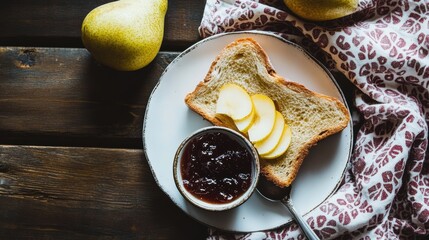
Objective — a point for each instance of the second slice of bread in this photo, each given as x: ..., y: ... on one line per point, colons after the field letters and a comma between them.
x: 311, y: 116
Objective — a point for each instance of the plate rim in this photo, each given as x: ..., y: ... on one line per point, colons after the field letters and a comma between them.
x: 249, y: 32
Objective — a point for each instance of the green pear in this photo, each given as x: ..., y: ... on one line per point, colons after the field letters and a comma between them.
x: 125, y: 35
x: 322, y: 10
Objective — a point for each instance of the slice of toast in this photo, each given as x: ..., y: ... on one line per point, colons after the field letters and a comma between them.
x: 311, y: 116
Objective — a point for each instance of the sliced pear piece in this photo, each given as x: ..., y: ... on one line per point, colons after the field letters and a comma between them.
x: 282, y: 146
x: 234, y: 102
x: 265, y: 116
x: 270, y: 143
x: 244, y: 124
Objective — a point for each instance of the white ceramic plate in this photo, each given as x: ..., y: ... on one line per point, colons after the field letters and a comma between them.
x: 168, y: 121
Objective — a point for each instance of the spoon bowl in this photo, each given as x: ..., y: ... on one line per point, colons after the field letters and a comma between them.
x: 272, y: 192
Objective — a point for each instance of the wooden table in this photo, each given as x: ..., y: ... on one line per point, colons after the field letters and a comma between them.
x: 71, y: 158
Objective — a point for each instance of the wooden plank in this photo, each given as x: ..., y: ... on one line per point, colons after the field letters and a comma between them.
x: 85, y: 193
x: 60, y: 93
x: 58, y: 23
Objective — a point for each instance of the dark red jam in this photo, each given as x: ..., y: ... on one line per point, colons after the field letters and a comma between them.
x: 215, y: 168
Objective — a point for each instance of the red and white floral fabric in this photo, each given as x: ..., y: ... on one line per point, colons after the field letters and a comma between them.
x: 383, y: 51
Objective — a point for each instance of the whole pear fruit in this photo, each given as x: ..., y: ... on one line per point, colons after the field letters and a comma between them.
x: 322, y: 10
x: 125, y: 35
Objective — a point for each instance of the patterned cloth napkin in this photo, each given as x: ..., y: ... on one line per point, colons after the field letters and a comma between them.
x: 382, y: 49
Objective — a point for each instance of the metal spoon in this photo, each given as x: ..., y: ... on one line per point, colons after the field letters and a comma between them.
x: 274, y: 193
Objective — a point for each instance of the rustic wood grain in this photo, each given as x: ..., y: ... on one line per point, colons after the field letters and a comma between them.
x: 71, y: 158
x: 57, y: 23
x: 85, y: 193
x: 58, y: 94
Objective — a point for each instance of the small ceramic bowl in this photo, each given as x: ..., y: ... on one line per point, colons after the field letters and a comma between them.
x: 216, y: 168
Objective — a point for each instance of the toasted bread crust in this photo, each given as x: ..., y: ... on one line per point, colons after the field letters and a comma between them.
x: 292, y: 159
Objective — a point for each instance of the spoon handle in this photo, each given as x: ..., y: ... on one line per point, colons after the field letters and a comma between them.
x: 308, y: 232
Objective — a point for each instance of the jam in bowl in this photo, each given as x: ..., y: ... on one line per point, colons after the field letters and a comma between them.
x: 216, y: 168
